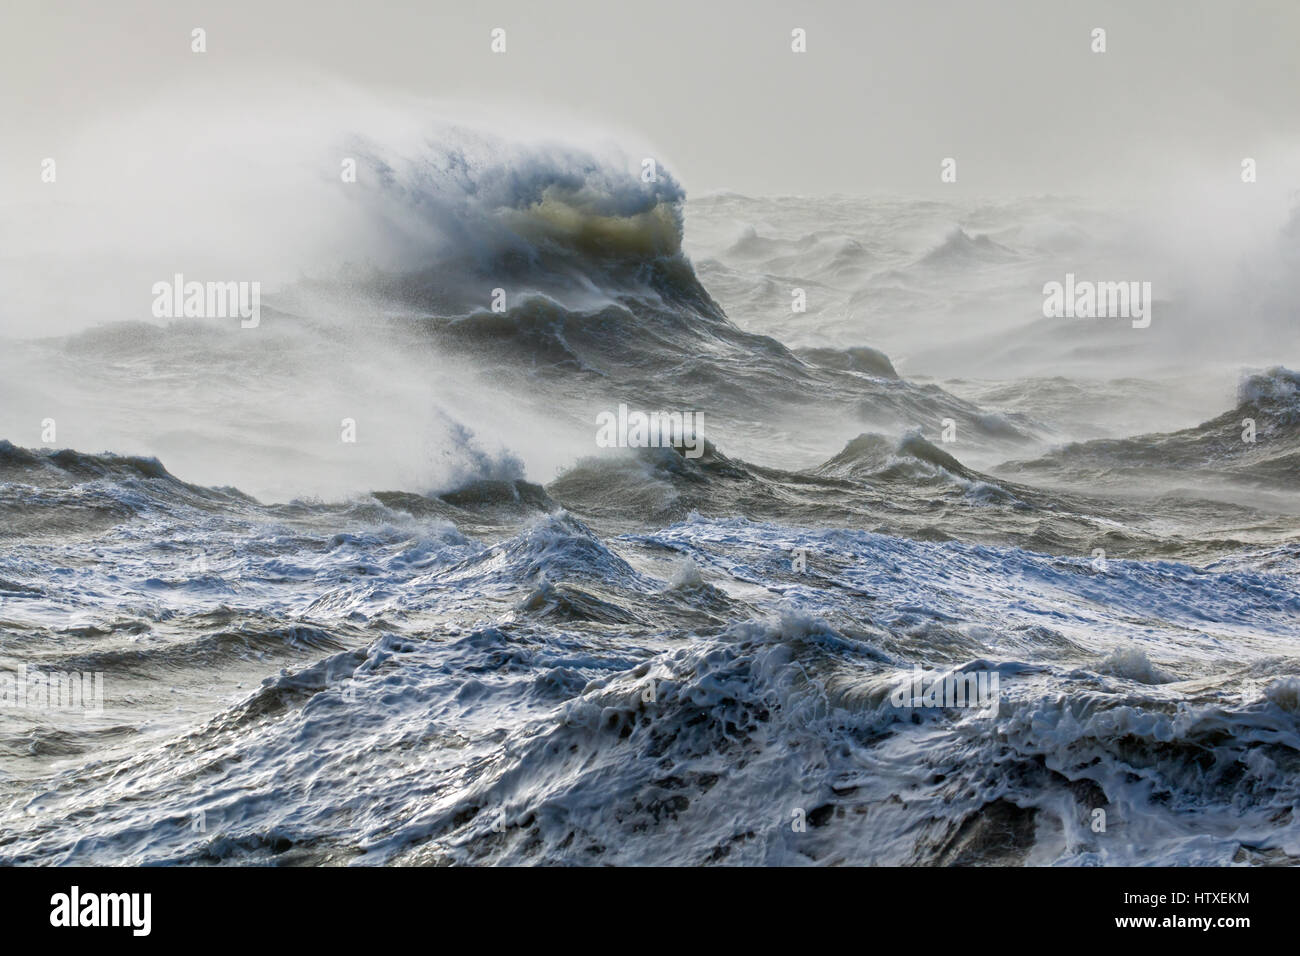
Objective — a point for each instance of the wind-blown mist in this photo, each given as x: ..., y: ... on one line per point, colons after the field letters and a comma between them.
x: 262, y: 198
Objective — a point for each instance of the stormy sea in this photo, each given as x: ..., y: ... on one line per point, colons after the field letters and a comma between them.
x: 354, y: 578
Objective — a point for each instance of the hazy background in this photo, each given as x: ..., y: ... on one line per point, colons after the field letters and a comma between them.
x: 886, y: 90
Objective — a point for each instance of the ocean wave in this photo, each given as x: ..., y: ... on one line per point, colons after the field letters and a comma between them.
x: 1255, y: 445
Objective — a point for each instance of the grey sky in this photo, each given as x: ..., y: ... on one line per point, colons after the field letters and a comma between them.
x: 885, y: 91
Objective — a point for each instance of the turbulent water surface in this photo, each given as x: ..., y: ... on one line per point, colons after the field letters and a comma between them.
x: 474, y: 636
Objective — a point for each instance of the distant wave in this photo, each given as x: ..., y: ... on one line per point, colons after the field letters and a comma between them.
x: 1269, y: 405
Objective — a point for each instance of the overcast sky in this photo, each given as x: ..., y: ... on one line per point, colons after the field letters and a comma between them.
x: 885, y: 91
